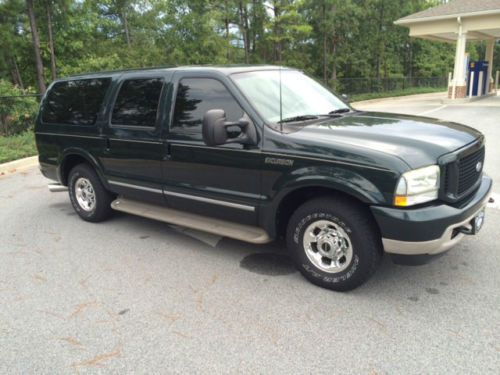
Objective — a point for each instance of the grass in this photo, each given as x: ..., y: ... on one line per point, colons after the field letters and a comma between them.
x: 17, y: 146
x: 388, y: 94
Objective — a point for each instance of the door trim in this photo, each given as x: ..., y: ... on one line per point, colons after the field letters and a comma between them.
x: 132, y: 186
x: 238, y: 206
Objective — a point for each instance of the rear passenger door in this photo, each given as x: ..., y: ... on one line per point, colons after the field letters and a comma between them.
x: 133, y: 153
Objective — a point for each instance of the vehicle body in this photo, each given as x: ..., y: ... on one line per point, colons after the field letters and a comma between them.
x: 210, y: 148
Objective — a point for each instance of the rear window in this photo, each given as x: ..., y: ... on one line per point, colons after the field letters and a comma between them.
x: 75, y: 102
x: 137, y: 102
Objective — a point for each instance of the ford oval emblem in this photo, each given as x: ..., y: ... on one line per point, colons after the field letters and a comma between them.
x: 479, y: 165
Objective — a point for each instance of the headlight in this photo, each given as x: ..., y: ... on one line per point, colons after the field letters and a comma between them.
x: 417, y: 186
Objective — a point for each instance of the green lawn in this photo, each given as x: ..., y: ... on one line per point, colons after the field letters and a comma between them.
x: 17, y: 147
x: 388, y: 94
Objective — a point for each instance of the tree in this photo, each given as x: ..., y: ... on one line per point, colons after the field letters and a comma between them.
x: 53, y: 70
x: 36, y: 47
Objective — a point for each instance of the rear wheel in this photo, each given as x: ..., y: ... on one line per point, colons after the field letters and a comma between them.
x: 334, y: 243
x: 91, y: 201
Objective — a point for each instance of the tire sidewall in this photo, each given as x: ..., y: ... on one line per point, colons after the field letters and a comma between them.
x: 74, y: 176
x: 306, y: 265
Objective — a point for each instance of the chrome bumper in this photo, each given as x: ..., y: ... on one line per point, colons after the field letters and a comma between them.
x: 433, y: 247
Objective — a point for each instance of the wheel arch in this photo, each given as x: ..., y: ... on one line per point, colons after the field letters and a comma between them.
x: 287, y: 203
x: 74, y: 156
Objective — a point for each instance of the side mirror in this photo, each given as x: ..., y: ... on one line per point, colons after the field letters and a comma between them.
x: 217, y: 131
x: 345, y: 98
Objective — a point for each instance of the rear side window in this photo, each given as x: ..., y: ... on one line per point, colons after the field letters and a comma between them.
x: 137, y: 102
x: 75, y: 102
x: 195, y: 96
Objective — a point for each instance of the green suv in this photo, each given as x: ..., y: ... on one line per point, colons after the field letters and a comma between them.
x: 258, y: 153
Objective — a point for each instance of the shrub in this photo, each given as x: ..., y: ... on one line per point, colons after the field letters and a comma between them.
x: 17, y: 111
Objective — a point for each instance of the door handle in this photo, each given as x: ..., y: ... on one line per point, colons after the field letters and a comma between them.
x: 167, y: 154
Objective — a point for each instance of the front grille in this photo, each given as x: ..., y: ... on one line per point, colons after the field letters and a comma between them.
x: 462, y: 175
x: 467, y: 170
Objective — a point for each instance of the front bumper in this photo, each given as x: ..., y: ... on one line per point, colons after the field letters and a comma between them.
x: 429, y: 230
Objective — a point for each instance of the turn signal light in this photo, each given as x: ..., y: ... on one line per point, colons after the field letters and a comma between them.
x: 400, y: 201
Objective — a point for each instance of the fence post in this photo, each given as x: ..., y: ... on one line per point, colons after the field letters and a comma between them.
x: 449, y: 79
x: 496, y: 81
x: 471, y: 83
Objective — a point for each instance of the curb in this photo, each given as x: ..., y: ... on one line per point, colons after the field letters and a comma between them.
x: 401, y: 97
x: 16, y: 165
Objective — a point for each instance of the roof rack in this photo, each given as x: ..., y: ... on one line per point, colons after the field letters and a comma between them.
x: 123, y: 70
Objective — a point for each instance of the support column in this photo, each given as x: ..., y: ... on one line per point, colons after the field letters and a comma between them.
x: 490, y: 47
x: 458, y: 87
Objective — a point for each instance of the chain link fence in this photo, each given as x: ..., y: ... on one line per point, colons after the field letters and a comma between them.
x: 352, y: 86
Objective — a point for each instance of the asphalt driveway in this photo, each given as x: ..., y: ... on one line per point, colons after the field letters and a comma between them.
x: 133, y: 295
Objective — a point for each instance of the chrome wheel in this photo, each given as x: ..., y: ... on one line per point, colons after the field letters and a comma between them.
x: 328, y: 246
x: 85, y: 194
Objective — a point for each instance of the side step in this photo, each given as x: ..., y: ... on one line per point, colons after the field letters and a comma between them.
x: 223, y: 228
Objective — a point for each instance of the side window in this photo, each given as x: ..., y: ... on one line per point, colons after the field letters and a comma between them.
x: 137, y: 102
x: 75, y: 102
x: 195, y: 96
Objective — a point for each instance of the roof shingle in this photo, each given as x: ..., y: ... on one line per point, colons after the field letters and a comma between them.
x: 455, y: 8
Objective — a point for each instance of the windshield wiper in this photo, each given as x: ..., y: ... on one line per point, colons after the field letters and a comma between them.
x: 340, y: 110
x: 299, y: 118
x: 314, y: 117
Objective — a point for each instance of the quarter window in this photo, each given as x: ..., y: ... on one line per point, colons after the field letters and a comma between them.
x: 137, y: 102
x: 195, y: 96
x: 75, y: 102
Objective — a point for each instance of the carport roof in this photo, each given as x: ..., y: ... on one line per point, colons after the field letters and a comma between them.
x: 453, y: 9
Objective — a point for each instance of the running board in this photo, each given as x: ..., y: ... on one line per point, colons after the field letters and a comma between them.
x: 223, y: 228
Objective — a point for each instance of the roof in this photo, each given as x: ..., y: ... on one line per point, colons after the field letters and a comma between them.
x: 454, y: 8
x: 224, y: 69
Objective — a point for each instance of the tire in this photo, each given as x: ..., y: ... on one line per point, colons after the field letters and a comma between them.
x: 90, y: 200
x: 342, y: 247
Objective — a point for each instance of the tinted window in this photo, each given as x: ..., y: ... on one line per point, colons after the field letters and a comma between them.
x: 75, y: 102
x: 195, y: 96
x: 137, y: 102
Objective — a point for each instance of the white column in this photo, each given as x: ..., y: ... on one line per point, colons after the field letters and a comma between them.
x: 480, y: 84
x: 459, y: 70
x: 490, y: 47
x: 470, y: 84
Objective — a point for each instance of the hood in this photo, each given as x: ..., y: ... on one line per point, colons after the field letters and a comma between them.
x: 418, y: 141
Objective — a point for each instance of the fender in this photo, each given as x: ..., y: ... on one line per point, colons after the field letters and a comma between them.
x: 333, y: 177
x: 336, y: 178
x: 71, y: 151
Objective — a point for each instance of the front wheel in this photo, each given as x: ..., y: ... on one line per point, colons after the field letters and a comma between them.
x: 334, y: 243
x: 91, y: 201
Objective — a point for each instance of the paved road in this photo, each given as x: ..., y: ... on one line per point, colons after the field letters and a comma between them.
x: 137, y: 296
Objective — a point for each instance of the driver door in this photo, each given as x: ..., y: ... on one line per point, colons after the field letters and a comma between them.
x: 220, y: 181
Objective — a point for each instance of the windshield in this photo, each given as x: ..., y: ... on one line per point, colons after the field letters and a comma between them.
x: 301, y: 95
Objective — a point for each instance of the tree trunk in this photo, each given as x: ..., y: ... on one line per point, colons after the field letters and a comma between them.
x: 325, y: 46
x: 53, y: 69
x: 126, y: 29
x: 334, y: 65
x: 247, y: 34
x: 277, y: 33
x: 226, y: 26
x: 254, y: 26
x: 244, y: 28
x: 380, y: 40
x: 36, y: 47
x: 17, y: 73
